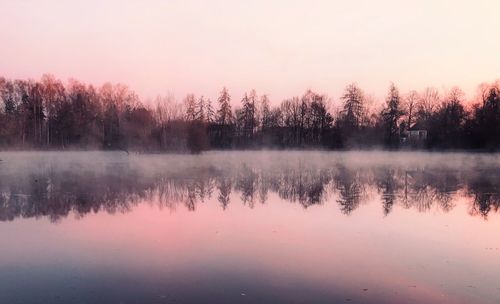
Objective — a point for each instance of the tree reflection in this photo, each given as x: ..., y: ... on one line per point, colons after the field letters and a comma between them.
x: 224, y: 187
x: 350, y: 189
x: 485, y: 191
x: 55, y: 194
x: 246, y: 184
x: 389, y: 186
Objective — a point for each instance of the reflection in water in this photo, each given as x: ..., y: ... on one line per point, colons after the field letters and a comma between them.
x: 249, y: 227
x: 55, y: 192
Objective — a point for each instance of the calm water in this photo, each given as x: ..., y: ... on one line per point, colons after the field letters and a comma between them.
x: 249, y: 227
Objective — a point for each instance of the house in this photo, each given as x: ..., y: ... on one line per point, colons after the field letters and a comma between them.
x: 417, y: 132
x: 415, y: 136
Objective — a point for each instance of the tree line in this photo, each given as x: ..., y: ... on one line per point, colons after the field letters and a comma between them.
x: 47, y: 114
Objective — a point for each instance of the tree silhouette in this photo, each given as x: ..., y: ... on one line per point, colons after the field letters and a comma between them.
x: 48, y: 114
x: 390, y: 118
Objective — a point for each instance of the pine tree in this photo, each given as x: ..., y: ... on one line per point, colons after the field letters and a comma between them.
x: 248, y: 114
x: 224, y: 114
x: 390, y: 116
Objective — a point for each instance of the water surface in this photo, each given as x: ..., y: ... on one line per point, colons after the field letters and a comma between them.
x: 249, y: 227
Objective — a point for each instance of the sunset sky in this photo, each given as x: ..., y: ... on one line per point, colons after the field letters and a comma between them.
x: 277, y: 47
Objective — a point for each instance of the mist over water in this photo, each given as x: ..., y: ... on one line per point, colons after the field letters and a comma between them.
x: 55, y: 184
x: 249, y: 227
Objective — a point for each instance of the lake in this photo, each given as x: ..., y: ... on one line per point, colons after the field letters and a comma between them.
x: 249, y: 227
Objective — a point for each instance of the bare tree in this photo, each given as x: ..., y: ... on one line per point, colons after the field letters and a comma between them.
x: 353, y: 107
x: 190, y: 106
x: 410, y: 105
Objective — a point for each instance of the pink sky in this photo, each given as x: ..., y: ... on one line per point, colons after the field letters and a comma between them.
x: 277, y: 47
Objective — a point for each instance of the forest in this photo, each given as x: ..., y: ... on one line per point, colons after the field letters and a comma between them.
x: 51, y: 115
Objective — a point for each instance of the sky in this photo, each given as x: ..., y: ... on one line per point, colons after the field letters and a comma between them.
x: 279, y: 48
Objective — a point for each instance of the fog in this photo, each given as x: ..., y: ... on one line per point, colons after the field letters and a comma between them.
x: 13, y: 163
x: 56, y: 184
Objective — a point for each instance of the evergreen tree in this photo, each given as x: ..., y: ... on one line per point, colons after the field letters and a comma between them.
x: 243, y: 115
x: 390, y: 117
x: 224, y: 114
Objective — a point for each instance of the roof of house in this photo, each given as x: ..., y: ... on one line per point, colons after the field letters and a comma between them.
x: 417, y: 126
